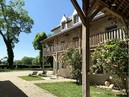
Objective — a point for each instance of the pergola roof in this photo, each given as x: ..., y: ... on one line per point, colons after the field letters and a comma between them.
x: 118, y: 8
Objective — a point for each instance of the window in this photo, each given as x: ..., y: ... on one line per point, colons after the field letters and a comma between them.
x: 75, y: 38
x: 76, y: 18
x: 62, y: 41
x: 63, y: 25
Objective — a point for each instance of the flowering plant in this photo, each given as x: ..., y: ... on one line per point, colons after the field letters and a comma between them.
x: 112, y: 57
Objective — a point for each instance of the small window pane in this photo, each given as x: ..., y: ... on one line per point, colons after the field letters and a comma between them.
x: 62, y: 41
x: 76, y: 18
x: 75, y: 38
x: 63, y: 25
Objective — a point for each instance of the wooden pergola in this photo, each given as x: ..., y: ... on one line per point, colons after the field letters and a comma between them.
x: 117, y: 9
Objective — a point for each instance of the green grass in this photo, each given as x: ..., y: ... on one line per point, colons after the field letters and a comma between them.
x: 31, y: 78
x: 69, y: 89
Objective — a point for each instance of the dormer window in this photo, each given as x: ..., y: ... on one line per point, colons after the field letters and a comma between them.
x: 76, y: 18
x: 63, y: 25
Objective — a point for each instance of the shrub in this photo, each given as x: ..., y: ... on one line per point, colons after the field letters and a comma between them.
x: 73, y: 58
x: 112, y: 57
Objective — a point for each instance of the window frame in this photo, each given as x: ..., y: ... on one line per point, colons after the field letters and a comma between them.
x: 63, y: 25
x: 76, y: 18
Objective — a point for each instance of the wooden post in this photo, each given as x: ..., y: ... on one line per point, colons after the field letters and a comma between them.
x: 56, y: 63
x: 128, y: 58
x: 86, y: 51
x: 85, y: 45
x: 80, y: 37
x: 86, y: 17
x: 128, y: 31
x: 43, y: 55
x: 85, y: 62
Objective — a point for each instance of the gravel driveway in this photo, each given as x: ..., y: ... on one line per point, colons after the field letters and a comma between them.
x: 12, y: 86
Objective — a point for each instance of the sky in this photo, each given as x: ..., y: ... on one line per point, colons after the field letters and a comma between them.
x: 46, y: 14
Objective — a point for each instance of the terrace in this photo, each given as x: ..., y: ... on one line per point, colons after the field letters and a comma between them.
x: 95, y: 40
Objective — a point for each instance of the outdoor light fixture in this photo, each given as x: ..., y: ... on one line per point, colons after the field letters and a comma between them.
x: 113, y: 5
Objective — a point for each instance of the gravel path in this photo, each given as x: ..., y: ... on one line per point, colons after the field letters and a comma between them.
x: 12, y: 86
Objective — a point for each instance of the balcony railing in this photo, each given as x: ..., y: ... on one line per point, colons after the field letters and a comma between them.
x: 106, y: 36
x: 60, y: 47
x: 95, y: 40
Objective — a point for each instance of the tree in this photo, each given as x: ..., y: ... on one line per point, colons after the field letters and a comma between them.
x: 17, y: 62
x: 73, y: 58
x: 36, y: 61
x: 27, y: 60
x: 13, y: 20
x: 38, y: 45
x: 0, y: 62
x: 113, y: 57
x: 4, y: 60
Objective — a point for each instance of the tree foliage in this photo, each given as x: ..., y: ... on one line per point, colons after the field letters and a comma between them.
x: 27, y: 60
x: 38, y: 45
x: 113, y: 57
x: 36, y: 61
x: 17, y: 62
x: 13, y: 20
x: 73, y: 58
x: 37, y: 41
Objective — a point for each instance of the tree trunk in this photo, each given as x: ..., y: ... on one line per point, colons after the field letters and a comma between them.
x: 10, y: 55
x: 9, y: 50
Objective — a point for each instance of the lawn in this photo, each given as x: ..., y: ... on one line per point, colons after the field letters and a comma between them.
x: 31, y: 78
x: 69, y: 89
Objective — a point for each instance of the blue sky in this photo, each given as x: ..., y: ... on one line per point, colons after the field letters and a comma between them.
x: 46, y: 14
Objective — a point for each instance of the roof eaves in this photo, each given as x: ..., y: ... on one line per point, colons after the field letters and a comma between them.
x: 63, y: 31
x: 98, y: 16
x: 55, y: 28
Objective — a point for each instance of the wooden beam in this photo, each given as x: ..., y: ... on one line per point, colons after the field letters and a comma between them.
x: 45, y: 59
x: 85, y: 7
x: 79, y: 11
x: 85, y: 60
x: 43, y: 56
x: 96, y: 12
x: 120, y: 4
x: 128, y: 15
x: 126, y: 26
x: 85, y: 51
x: 92, y: 7
x: 55, y: 57
x: 106, y: 0
x: 114, y: 10
x: 125, y: 7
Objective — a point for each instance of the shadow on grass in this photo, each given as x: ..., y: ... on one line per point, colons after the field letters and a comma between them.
x: 8, y: 89
x: 77, y: 83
